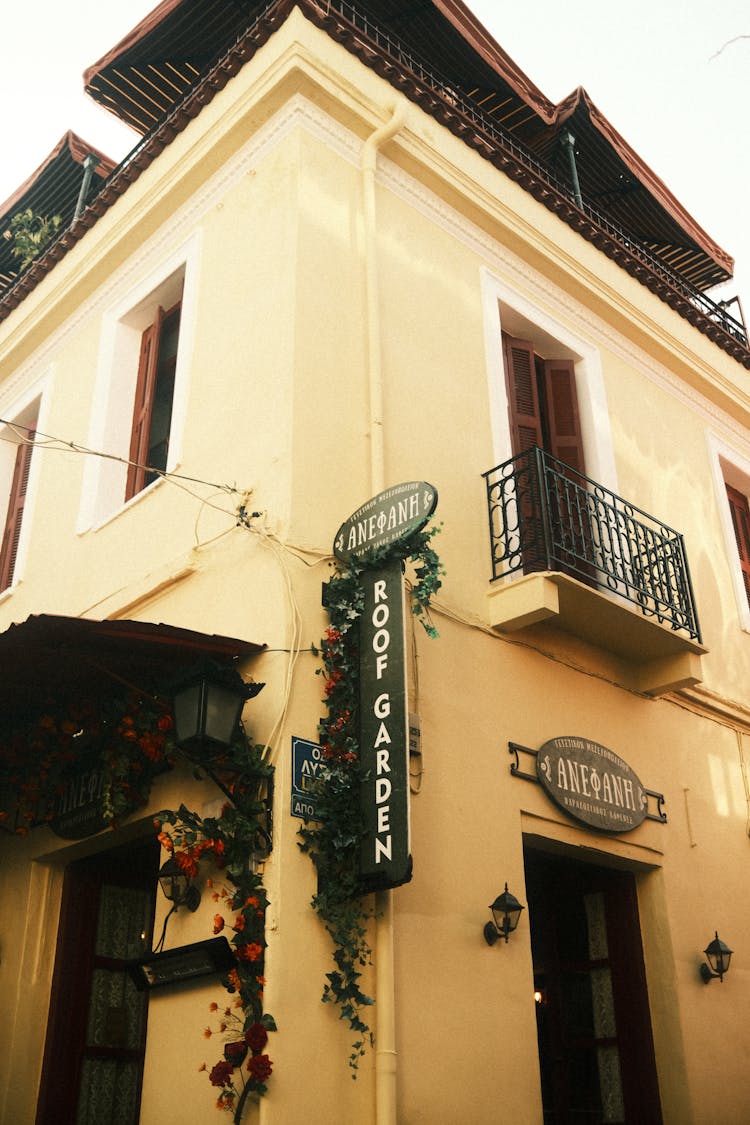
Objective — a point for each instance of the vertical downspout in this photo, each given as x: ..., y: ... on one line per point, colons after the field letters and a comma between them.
x: 89, y: 164
x: 368, y: 164
x: 385, y: 1008
x: 568, y: 142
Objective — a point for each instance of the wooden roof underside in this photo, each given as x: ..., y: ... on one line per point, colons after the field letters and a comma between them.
x: 53, y: 189
x: 470, y: 86
x: 167, y: 53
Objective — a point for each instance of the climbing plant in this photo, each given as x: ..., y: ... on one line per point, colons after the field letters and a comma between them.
x: 334, y: 838
x: 228, y: 843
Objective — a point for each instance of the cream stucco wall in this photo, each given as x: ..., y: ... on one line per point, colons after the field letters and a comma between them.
x: 260, y: 203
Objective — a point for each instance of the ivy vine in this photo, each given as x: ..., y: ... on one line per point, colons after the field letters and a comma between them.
x: 333, y: 840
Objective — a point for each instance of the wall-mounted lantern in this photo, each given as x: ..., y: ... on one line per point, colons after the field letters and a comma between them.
x: 718, y: 956
x: 506, y: 910
x: 207, y: 705
x: 177, y: 886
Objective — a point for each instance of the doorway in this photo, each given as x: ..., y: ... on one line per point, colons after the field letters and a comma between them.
x: 596, y: 1052
x: 96, y: 1030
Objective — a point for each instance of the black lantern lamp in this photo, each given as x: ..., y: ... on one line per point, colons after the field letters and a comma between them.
x: 179, y: 890
x: 718, y: 956
x: 207, y: 706
x: 506, y: 910
x: 177, y: 886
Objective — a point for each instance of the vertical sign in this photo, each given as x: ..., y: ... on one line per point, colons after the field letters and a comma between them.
x: 306, y: 761
x: 385, y: 859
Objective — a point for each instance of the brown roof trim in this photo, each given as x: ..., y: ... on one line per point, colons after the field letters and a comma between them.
x: 140, y: 31
x: 580, y: 101
x: 505, y: 158
x: 477, y: 36
x: 466, y: 24
x: 79, y: 150
x: 490, y: 51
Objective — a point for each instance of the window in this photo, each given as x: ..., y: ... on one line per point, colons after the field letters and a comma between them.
x: 15, y: 467
x: 154, y: 395
x: 140, y: 399
x: 543, y: 412
x: 740, y: 513
x: 542, y: 403
x: 730, y: 470
x: 510, y: 314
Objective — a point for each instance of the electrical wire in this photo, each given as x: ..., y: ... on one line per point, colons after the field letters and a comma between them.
x: 32, y: 436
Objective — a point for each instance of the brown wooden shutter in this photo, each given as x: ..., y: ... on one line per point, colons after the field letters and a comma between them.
x: 740, y: 510
x: 565, y: 440
x: 523, y: 396
x: 16, y: 503
x: 143, y: 405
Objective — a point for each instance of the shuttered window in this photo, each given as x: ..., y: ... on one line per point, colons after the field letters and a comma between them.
x: 542, y: 403
x: 740, y: 510
x: 543, y: 412
x: 14, y: 517
x: 562, y: 423
x: 154, y: 394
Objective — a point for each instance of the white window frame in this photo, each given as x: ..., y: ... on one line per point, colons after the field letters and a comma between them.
x: 123, y: 324
x: 728, y: 466
x: 505, y: 310
x: 28, y: 408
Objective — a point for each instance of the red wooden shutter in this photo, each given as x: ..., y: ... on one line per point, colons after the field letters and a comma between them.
x: 740, y: 510
x: 143, y: 405
x: 13, y: 520
x: 565, y: 441
x: 523, y: 396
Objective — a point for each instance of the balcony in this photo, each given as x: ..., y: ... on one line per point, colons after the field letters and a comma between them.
x: 570, y: 554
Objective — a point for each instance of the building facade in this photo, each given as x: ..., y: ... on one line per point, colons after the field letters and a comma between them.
x: 355, y: 248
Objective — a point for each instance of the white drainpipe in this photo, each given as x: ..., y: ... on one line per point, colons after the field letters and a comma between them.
x: 385, y: 1008
x: 368, y: 164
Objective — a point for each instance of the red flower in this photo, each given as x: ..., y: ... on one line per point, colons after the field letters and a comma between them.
x: 164, y: 722
x: 256, y: 1037
x: 221, y: 1074
x: 250, y: 952
x: 186, y: 863
x: 259, y: 1067
x: 235, y: 1053
x: 218, y: 923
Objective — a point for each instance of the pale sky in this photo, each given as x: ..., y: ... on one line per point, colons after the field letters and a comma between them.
x: 664, y: 72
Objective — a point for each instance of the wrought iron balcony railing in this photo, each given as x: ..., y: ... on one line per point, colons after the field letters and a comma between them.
x: 545, y: 516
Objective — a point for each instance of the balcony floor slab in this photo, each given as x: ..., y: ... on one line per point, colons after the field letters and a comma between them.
x: 657, y: 659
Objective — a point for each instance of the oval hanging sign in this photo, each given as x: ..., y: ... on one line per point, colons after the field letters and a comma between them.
x: 591, y: 784
x: 393, y: 514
